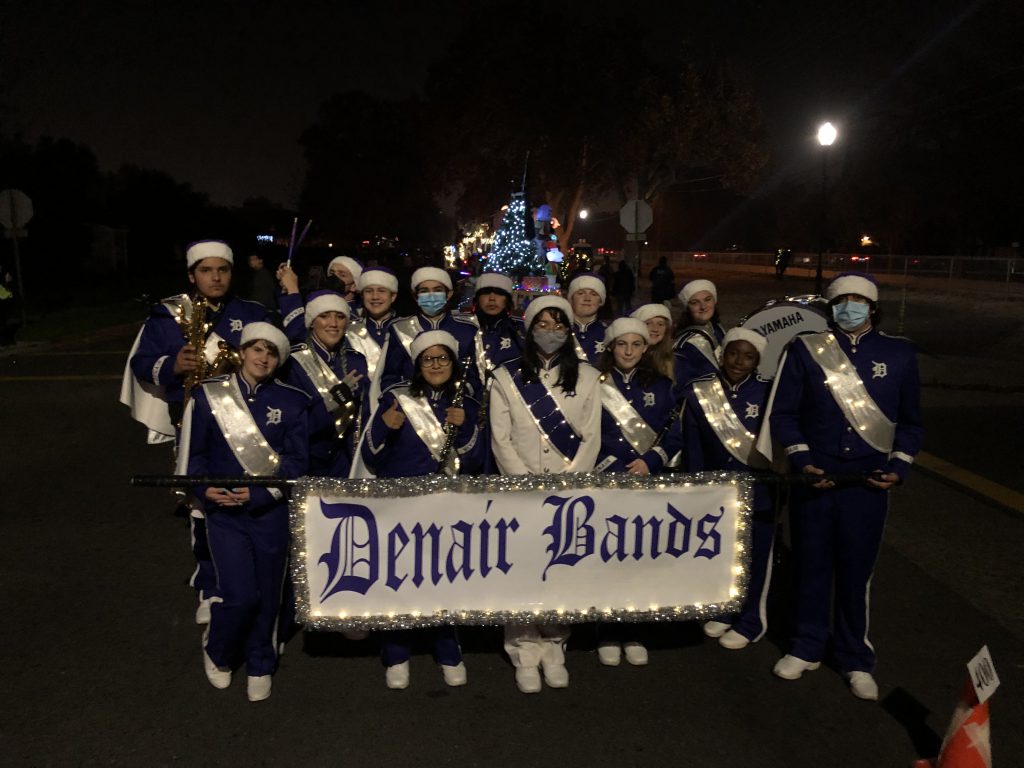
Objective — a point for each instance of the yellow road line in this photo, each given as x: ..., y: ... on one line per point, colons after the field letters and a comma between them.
x: 92, y: 377
x: 1006, y: 497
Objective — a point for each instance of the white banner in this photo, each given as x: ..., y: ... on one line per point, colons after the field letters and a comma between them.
x: 494, y: 550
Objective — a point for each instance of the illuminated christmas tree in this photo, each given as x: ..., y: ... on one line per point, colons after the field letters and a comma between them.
x: 515, y: 250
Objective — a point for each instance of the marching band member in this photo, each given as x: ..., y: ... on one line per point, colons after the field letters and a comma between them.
x: 161, y: 360
x: 848, y: 402
x: 545, y: 417
x: 332, y: 374
x: 343, y: 277
x: 658, y: 318
x: 246, y: 424
x: 587, y: 294
x: 701, y: 333
x: 378, y: 289
x: 501, y: 335
x: 640, y: 432
x: 722, y: 415
x: 432, y: 288
x: 407, y: 436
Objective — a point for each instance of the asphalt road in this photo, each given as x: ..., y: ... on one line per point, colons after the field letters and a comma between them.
x: 102, y: 667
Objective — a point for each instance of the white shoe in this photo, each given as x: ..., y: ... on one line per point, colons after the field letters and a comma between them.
x: 258, y: 687
x: 397, y: 676
x: 792, y: 668
x: 636, y: 654
x: 528, y: 679
x: 863, y: 685
x: 715, y: 628
x: 219, y: 677
x: 556, y: 675
x: 355, y: 634
x: 454, y: 674
x: 733, y: 640
x: 609, y: 654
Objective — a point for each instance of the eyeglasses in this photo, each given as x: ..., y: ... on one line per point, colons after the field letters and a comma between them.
x: 441, y: 361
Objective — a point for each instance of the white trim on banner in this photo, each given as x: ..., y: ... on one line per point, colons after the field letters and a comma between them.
x: 423, y: 551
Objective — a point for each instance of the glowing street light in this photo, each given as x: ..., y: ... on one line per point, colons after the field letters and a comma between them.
x: 827, y: 135
x: 584, y: 213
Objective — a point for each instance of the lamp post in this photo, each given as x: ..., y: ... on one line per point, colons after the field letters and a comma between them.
x: 826, y: 137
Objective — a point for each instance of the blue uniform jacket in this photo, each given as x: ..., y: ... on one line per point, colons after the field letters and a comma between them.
x: 591, y: 338
x: 655, y: 405
x: 280, y: 412
x: 329, y: 454
x: 704, y: 449
x: 401, y: 453
x: 162, y: 339
x: 806, y: 421
x: 503, y: 337
x: 690, y: 363
x: 398, y: 365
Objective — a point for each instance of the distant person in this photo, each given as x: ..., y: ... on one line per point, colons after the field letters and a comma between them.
x: 782, y: 257
x: 663, y: 282
x: 262, y: 287
x: 8, y: 310
x: 623, y: 286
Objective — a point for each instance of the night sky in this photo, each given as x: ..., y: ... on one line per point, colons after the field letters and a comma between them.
x: 217, y: 93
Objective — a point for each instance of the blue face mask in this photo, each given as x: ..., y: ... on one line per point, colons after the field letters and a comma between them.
x: 850, y: 315
x: 431, y: 303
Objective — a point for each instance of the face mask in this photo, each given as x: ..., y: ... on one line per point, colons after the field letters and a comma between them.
x: 334, y: 283
x: 431, y: 303
x: 850, y: 315
x: 550, y: 341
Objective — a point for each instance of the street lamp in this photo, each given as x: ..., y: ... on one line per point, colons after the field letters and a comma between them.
x: 827, y: 134
x: 584, y: 213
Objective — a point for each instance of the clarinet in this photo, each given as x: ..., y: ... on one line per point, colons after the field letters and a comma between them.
x: 450, y: 430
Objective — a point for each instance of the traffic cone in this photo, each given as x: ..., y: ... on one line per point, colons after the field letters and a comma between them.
x: 968, y: 742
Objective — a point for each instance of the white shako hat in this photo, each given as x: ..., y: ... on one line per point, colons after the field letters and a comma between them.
x: 494, y: 280
x: 537, y: 306
x: 381, y: 276
x: 267, y: 332
x: 348, y: 263
x: 431, y: 273
x: 208, y: 249
x: 427, y: 339
x: 696, y: 286
x: 759, y: 342
x: 852, y: 283
x: 650, y: 311
x: 591, y: 281
x: 325, y: 301
x: 625, y: 325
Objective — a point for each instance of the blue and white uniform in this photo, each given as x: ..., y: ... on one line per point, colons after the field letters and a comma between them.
x: 249, y: 544
x: 653, y: 404
x: 695, y: 354
x: 590, y: 339
x: 837, y: 532
x: 398, y: 365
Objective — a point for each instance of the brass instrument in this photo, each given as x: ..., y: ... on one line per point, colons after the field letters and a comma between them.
x: 195, y: 328
x: 450, y: 430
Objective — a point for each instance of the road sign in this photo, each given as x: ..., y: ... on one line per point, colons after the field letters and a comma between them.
x: 636, y: 216
x: 15, y: 209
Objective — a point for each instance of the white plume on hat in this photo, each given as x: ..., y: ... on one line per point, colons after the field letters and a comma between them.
x: 593, y: 282
x: 696, y: 286
x: 494, y: 280
x: 326, y: 302
x: 267, y: 332
x: 208, y: 249
x: 650, y: 311
x: 377, y: 276
x: 855, y: 284
x: 625, y: 325
x: 348, y: 263
x: 431, y: 273
x: 427, y: 339
x: 537, y: 306
x: 759, y: 342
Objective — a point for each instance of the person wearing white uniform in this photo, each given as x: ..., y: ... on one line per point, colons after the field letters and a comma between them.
x: 529, y: 437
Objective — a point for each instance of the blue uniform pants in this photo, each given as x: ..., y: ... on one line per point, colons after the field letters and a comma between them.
x: 396, y: 647
x: 204, y: 577
x: 837, y: 534
x: 250, y: 554
x: 752, y: 620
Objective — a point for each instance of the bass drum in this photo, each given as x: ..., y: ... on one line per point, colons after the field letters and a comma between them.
x: 780, y: 321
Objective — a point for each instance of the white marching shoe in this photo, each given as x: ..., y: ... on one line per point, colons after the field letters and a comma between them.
x: 863, y: 685
x: 733, y: 640
x: 793, y: 668
x: 528, y: 679
x: 219, y: 677
x: 555, y: 675
x: 636, y: 653
x: 715, y: 628
x: 258, y: 687
x: 454, y: 674
x: 609, y: 654
x: 397, y: 676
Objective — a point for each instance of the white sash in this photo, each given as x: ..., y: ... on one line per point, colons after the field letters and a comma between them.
x: 727, y: 426
x: 428, y: 429
x: 406, y: 329
x: 359, y: 337
x: 323, y: 378
x: 239, y: 428
x: 637, y: 431
x: 849, y: 392
x: 703, y: 344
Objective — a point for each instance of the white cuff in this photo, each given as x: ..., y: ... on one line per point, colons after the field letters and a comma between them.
x: 292, y: 315
x: 797, y: 448
x: 156, y: 368
x: 276, y: 493
x: 902, y: 456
